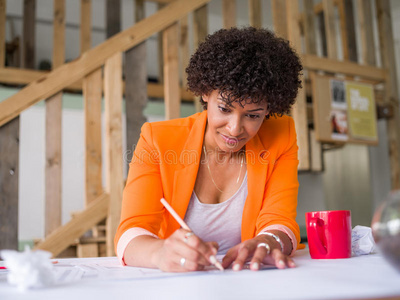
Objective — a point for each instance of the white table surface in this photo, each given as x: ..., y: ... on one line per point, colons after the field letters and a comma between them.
x: 362, y: 277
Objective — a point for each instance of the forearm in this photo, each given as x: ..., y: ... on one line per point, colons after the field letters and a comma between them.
x: 142, y: 252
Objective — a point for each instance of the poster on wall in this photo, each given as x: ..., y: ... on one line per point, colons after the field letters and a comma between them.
x: 344, y: 111
x: 361, y: 110
x: 338, y: 114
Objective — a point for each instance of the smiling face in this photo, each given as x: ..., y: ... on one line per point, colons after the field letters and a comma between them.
x: 230, y: 127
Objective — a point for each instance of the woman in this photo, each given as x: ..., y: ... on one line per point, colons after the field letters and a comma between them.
x: 229, y: 171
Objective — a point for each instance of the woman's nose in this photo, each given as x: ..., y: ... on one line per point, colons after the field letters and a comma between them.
x: 235, y: 127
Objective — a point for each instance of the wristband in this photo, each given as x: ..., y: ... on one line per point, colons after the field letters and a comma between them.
x: 275, y: 237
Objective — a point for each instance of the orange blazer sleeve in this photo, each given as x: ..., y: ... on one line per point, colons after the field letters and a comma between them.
x: 281, y: 188
x: 140, y: 204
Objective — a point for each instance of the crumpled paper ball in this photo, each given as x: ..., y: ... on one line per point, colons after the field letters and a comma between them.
x: 362, y: 241
x: 28, y: 269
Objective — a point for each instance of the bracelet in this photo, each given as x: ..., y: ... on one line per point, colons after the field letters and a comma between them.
x: 275, y: 237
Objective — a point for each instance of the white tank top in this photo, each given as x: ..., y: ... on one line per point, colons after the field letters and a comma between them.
x: 220, y: 222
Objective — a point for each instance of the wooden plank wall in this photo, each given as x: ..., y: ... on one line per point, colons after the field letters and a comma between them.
x: 330, y: 30
x: 350, y: 46
x: 135, y: 88
x: 299, y: 111
x: 53, y: 169
x: 391, y: 97
x: 316, y: 163
x: 9, y: 172
x: 9, y: 154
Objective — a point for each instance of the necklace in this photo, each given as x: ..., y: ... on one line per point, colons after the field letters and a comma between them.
x: 209, y: 171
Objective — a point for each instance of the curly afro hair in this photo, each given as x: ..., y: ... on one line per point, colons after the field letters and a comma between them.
x: 246, y: 65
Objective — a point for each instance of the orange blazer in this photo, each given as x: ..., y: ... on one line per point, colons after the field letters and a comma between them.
x: 166, y: 161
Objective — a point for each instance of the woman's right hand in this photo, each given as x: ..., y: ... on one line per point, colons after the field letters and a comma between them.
x: 183, y: 252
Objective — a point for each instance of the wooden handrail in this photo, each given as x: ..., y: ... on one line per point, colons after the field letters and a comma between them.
x: 16, y: 76
x: 313, y: 62
x: 67, y: 234
x: 71, y: 72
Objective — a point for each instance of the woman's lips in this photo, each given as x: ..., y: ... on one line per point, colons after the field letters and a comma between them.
x: 230, y: 140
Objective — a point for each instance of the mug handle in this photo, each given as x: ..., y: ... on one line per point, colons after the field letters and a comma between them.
x: 313, y: 224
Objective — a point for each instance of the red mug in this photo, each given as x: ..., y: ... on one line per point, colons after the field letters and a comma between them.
x: 329, y: 234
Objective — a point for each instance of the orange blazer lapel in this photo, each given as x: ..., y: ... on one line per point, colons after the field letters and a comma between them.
x: 257, y: 167
x: 186, y: 171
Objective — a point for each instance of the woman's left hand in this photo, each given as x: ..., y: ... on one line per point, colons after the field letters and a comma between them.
x: 251, y: 251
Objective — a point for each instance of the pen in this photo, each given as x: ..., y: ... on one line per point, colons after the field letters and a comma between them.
x: 213, y: 259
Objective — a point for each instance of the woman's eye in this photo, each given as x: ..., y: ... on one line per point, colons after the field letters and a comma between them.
x: 223, y: 109
x: 253, y: 116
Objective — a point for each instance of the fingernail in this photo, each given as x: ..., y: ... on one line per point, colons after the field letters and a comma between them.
x: 292, y: 264
x: 281, y: 262
x: 213, y: 259
x: 236, y: 267
x: 255, y: 266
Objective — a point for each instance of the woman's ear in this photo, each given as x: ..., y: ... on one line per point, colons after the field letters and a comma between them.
x: 205, y: 98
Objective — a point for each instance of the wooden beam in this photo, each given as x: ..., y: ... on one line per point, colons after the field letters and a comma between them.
x: 86, y: 25
x: 69, y: 73
x: 279, y: 18
x: 366, y: 32
x: 67, y: 234
x: 322, y: 33
x: 171, y: 72
x: 184, y: 49
x: 255, y: 18
x: 200, y: 31
x: 344, y: 67
x: 311, y: 48
x: 161, y: 1
x: 59, y: 33
x: 343, y: 31
x: 160, y: 51
x: 299, y: 111
x: 29, y: 33
x: 318, y: 8
x: 309, y: 28
x: 329, y: 17
x: 87, y: 250
x: 9, y: 173
x: 113, y: 17
x: 316, y: 153
x: 20, y: 77
x: 53, y: 171
x: 92, y: 96
x: 113, y: 148
x: 349, y: 32
x: 135, y: 89
x: 229, y: 13
x: 53, y: 163
x: 2, y: 33
x: 388, y: 59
